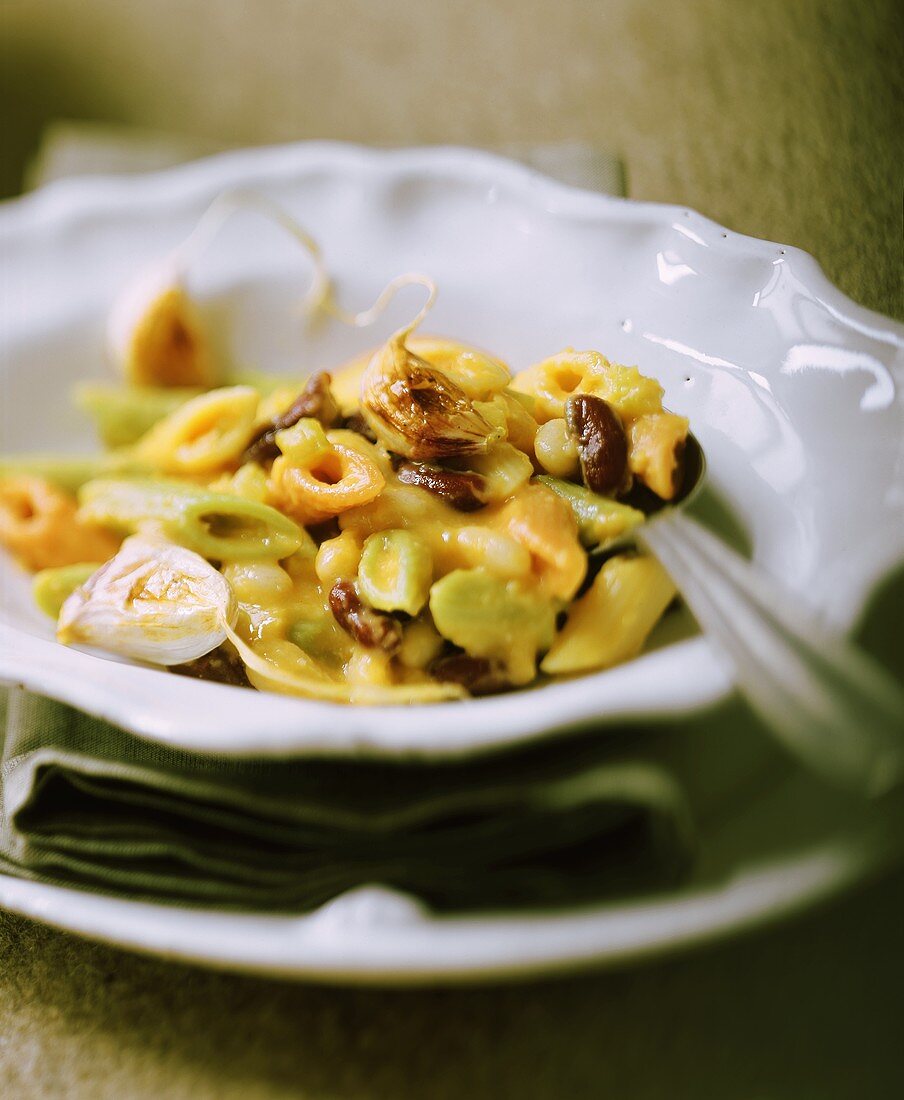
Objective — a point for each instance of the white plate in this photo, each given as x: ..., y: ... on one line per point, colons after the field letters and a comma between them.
x: 772, y: 851
x: 790, y: 387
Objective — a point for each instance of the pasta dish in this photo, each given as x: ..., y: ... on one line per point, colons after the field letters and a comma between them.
x: 415, y: 525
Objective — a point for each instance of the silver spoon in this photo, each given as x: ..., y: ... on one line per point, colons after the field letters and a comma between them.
x: 827, y: 701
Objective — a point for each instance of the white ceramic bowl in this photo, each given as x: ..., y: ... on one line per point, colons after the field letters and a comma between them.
x: 789, y: 386
x: 792, y: 389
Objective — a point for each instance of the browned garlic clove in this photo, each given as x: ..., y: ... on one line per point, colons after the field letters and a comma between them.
x: 417, y: 411
x: 155, y: 333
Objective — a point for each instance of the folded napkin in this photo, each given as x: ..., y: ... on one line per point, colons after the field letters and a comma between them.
x: 84, y: 803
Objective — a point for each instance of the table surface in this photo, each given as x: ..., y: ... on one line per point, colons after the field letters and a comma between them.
x: 779, y: 119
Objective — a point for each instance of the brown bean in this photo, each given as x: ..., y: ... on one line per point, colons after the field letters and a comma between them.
x: 356, y: 423
x: 315, y: 400
x: 373, y: 629
x: 602, y: 445
x: 460, y: 489
x: 477, y: 674
x: 219, y: 665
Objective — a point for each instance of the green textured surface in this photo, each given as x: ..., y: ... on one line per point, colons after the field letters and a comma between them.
x: 782, y: 119
x: 792, y: 1014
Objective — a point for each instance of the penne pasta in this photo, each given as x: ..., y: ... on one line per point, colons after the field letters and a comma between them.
x: 611, y: 622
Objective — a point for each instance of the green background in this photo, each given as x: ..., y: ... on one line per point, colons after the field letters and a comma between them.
x: 780, y: 118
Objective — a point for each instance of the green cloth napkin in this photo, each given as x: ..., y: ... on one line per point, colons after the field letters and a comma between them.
x: 85, y: 803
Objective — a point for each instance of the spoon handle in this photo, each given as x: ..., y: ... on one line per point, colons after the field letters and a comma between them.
x: 827, y: 701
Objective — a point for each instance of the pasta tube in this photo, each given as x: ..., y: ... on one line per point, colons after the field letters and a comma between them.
x: 612, y: 620
x: 320, y: 480
x: 554, y: 380
x: 395, y: 571
x: 220, y: 526
x: 203, y: 436
x: 38, y: 524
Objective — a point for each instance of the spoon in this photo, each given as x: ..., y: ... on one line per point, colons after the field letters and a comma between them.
x: 830, y: 704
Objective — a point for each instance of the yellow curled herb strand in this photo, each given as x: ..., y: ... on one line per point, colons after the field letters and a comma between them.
x: 319, y: 294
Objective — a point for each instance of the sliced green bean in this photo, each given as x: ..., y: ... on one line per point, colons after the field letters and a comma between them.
x: 305, y: 442
x: 69, y: 472
x: 599, y: 518
x: 395, y: 571
x: 219, y: 526
x: 489, y: 617
x: 124, y: 413
x: 52, y: 587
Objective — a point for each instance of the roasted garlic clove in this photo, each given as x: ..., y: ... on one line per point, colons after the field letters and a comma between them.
x: 155, y: 334
x: 153, y: 601
x: 417, y: 411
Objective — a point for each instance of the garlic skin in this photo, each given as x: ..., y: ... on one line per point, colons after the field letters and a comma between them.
x: 155, y: 335
x: 418, y: 411
x: 154, y: 601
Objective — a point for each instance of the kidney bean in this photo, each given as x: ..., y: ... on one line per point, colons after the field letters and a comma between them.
x: 315, y: 400
x: 356, y: 423
x: 477, y: 674
x: 458, y: 488
x: 600, y: 439
x: 219, y: 665
x: 373, y: 629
